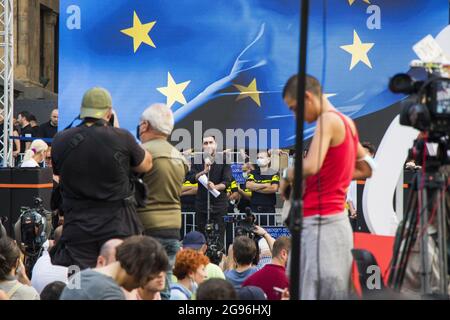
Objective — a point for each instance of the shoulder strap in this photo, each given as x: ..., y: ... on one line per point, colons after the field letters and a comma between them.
x: 73, y: 143
x: 13, y: 290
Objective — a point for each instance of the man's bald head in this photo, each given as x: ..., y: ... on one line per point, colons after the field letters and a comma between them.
x: 54, y: 117
x: 108, y: 252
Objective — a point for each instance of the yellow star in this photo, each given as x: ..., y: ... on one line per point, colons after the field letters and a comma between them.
x: 359, y: 51
x: 174, y: 91
x: 250, y: 91
x: 139, y: 32
x: 350, y: 2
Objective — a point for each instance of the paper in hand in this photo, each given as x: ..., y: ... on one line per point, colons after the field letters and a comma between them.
x: 204, y: 181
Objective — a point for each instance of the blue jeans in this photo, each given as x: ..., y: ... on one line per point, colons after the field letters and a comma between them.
x: 172, y: 246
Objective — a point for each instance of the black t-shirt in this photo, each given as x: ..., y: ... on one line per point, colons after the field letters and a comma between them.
x: 35, y: 131
x: 46, y: 130
x: 263, y: 199
x: 99, y: 167
x: 27, y: 132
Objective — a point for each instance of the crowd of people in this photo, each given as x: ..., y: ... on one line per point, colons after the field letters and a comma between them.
x: 119, y: 204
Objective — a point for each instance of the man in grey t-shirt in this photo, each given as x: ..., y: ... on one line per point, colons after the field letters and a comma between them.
x: 139, y: 259
x: 93, y: 285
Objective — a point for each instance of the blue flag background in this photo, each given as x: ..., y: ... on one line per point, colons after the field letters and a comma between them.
x: 226, y: 62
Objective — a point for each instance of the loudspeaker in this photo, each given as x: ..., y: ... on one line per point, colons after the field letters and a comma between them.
x: 19, y: 187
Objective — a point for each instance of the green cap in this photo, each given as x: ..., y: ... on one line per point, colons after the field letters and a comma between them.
x: 96, y: 102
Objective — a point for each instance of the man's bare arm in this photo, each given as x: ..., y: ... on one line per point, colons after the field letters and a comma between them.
x: 362, y: 168
x: 146, y: 164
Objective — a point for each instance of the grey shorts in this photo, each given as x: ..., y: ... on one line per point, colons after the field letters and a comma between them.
x: 328, y: 277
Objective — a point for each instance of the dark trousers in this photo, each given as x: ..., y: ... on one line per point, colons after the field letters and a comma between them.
x: 87, y: 229
x: 265, y: 220
x: 83, y: 255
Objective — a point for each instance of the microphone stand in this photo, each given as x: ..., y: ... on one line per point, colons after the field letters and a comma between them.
x: 208, y: 203
x: 296, y: 212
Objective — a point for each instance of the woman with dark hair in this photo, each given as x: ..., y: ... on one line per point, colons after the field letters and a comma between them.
x: 12, y: 273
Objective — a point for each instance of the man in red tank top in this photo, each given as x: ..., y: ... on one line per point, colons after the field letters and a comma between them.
x: 333, y: 160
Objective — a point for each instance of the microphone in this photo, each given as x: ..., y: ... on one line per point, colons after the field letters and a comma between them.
x: 208, y: 161
x: 208, y: 158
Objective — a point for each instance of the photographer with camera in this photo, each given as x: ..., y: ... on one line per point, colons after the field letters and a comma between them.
x: 96, y: 162
x: 218, y: 172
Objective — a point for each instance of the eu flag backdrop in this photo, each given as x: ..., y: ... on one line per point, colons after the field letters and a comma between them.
x: 225, y: 62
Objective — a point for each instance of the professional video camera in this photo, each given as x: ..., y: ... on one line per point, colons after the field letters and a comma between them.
x: 246, y: 226
x: 428, y: 108
x: 32, y: 230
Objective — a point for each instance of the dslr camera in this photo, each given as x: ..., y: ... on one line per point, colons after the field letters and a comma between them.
x: 245, y: 226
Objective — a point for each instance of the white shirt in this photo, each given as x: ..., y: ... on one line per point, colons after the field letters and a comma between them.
x: 44, y: 273
x: 31, y: 163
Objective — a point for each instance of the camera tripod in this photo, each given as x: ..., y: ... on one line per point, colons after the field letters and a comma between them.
x: 425, y: 217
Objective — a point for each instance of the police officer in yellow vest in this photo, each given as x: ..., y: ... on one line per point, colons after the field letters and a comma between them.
x: 264, y: 183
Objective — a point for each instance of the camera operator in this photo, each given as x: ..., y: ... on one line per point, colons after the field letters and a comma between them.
x: 219, y: 173
x: 95, y: 162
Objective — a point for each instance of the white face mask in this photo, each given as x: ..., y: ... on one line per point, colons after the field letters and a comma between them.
x: 245, y: 175
x: 262, y: 162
